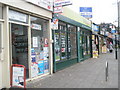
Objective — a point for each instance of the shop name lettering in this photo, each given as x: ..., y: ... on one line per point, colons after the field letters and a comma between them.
x: 62, y: 3
x: 34, y: 26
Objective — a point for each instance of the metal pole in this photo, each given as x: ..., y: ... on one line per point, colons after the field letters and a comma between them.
x: 115, y: 47
x: 106, y: 71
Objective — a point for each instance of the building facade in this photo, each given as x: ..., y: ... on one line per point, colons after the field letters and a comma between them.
x: 72, y: 39
x: 25, y: 38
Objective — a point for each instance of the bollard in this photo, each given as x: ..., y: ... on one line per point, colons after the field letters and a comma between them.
x: 106, y: 70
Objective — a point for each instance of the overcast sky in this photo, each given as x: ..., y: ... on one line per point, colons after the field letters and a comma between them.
x: 103, y: 10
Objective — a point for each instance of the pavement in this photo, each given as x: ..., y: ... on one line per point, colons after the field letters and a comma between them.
x: 86, y: 74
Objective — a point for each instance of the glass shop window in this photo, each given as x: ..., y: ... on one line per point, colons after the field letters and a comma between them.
x: 72, y: 49
x: 39, y: 46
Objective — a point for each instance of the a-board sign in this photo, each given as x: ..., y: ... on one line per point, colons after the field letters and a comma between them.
x: 18, y: 76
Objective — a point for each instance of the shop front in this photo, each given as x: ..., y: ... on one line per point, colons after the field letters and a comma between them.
x: 95, y: 41
x: 66, y: 47
x: 27, y: 41
x: 85, y: 44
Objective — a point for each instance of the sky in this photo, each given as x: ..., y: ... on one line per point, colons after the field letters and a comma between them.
x: 102, y: 10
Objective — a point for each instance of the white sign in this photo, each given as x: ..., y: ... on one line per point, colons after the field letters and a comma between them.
x: 14, y: 15
x: 35, y: 42
x: 36, y: 26
x: 18, y: 76
x: 55, y: 24
x: 34, y: 70
x: 47, y: 4
x: 58, y: 9
x: 62, y: 3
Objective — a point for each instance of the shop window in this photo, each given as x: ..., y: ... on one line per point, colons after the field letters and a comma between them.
x: 72, y: 50
x: 39, y: 47
x: 1, y: 12
x: 63, y: 46
x: 65, y: 42
x: 57, y: 45
x: 18, y: 16
x: 20, y: 45
x: 88, y: 44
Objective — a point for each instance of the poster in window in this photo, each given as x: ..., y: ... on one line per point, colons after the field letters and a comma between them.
x: 33, y: 58
x: 42, y: 55
x: 57, y: 56
x: 34, y: 70
x: 35, y: 42
x: 46, y: 55
x: 41, y: 67
x: 45, y: 42
x: 46, y: 66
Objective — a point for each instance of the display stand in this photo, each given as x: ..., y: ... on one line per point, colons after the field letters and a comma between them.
x: 18, y: 76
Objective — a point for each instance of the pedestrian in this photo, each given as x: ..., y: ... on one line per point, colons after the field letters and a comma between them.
x: 111, y: 47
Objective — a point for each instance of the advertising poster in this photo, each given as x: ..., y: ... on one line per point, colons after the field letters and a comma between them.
x: 104, y: 49
x: 35, y: 42
x: 40, y: 67
x: 42, y: 55
x: 45, y: 42
x: 18, y: 76
x: 46, y: 55
x: 95, y: 54
x: 54, y: 24
x: 46, y: 66
x: 57, y: 56
x: 34, y: 69
x: 33, y: 58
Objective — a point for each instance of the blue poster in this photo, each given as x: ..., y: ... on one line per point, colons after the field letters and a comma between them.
x: 33, y: 58
x: 32, y: 51
x: 40, y: 67
x: 46, y: 66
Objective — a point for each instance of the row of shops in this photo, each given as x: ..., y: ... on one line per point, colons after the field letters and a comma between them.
x: 26, y: 38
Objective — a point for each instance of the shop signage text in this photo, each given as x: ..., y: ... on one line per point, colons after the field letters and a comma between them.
x: 13, y: 15
x: 86, y: 12
x: 95, y: 28
x: 36, y: 26
x: 47, y: 4
x: 62, y: 3
x: 58, y: 9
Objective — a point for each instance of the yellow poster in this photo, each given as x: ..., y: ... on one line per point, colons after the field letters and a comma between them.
x: 95, y: 54
x: 104, y: 49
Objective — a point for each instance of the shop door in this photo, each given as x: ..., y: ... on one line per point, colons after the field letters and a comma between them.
x: 19, y: 44
x: 81, y: 48
x: 1, y: 54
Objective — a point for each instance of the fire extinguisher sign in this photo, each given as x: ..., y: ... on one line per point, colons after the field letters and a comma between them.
x: 18, y: 76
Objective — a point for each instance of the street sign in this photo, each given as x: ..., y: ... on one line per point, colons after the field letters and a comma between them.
x: 54, y: 24
x: 58, y: 9
x: 86, y: 12
x: 62, y: 3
